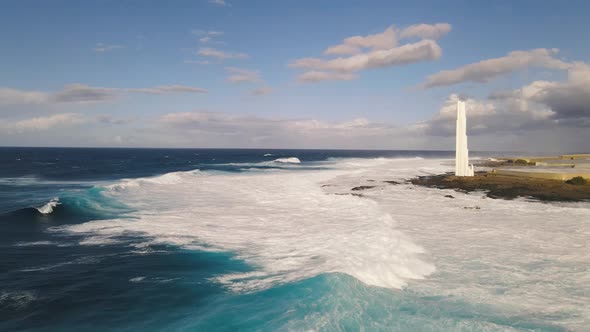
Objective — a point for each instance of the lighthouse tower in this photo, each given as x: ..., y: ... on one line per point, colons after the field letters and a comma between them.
x: 462, y: 167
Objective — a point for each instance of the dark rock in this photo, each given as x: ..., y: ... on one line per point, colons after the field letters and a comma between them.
x: 362, y: 188
x: 391, y: 182
x: 471, y: 207
x: 508, y: 187
x: 449, y: 196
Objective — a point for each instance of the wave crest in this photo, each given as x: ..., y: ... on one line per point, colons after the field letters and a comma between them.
x: 290, y: 160
x: 48, y: 208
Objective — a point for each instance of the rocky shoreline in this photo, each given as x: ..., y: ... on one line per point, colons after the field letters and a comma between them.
x: 508, y: 187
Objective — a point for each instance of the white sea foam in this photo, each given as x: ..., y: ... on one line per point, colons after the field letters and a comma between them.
x: 530, y: 258
x: 165, y: 179
x: 290, y: 160
x: 282, y: 223
x: 48, y: 208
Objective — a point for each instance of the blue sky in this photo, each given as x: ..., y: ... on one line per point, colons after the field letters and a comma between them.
x: 128, y: 45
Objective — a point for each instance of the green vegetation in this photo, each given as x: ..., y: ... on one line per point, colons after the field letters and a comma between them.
x: 578, y: 181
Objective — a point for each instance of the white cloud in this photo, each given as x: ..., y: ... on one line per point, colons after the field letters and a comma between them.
x: 355, y: 44
x: 483, y: 117
x: 485, y: 70
x: 220, y: 3
x: 47, y: 122
x: 261, y: 91
x: 373, y: 51
x: 81, y: 93
x: 425, y: 31
x: 409, y: 53
x: 227, y: 130
x: 569, y: 101
x: 102, y: 48
x: 10, y: 96
x: 163, y: 89
x: 107, y: 119
x: 318, y: 76
x: 207, y: 36
x: 238, y: 75
x: 220, y: 55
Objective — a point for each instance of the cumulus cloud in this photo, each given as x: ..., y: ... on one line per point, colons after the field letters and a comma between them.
x: 426, y: 31
x: 539, y: 105
x: 486, y: 117
x: 220, y: 55
x: 261, y: 91
x: 81, y: 93
x: 238, y: 75
x: 102, y: 48
x: 373, y: 51
x: 568, y: 100
x: 485, y: 70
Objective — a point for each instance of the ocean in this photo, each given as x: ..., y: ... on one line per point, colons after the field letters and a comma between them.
x: 95, y: 239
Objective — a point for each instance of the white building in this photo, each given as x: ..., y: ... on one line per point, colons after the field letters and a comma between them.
x: 462, y: 166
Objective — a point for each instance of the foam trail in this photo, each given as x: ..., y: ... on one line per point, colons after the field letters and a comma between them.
x: 48, y: 208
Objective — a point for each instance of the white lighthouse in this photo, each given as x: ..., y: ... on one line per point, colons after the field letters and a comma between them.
x: 462, y: 167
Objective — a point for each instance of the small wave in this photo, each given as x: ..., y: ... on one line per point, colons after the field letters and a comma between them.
x: 268, y: 154
x: 17, y: 300
x: 168, y: 178
x: 290, y: 160
x: 137, y: 279
x: 48, y: 208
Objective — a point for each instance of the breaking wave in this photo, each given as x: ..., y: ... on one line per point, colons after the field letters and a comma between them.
x: 48, y: 208
x: 281, y: 223
x: 290, y: 160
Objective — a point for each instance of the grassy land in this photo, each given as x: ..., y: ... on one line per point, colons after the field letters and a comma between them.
x: 509, y: 187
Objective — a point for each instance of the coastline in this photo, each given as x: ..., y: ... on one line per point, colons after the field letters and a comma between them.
x: 508, y: 187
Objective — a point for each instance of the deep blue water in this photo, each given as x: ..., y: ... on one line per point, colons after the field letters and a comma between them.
x: 49, y: 282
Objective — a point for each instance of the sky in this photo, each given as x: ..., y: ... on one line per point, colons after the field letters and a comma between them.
x: 295, y: 74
